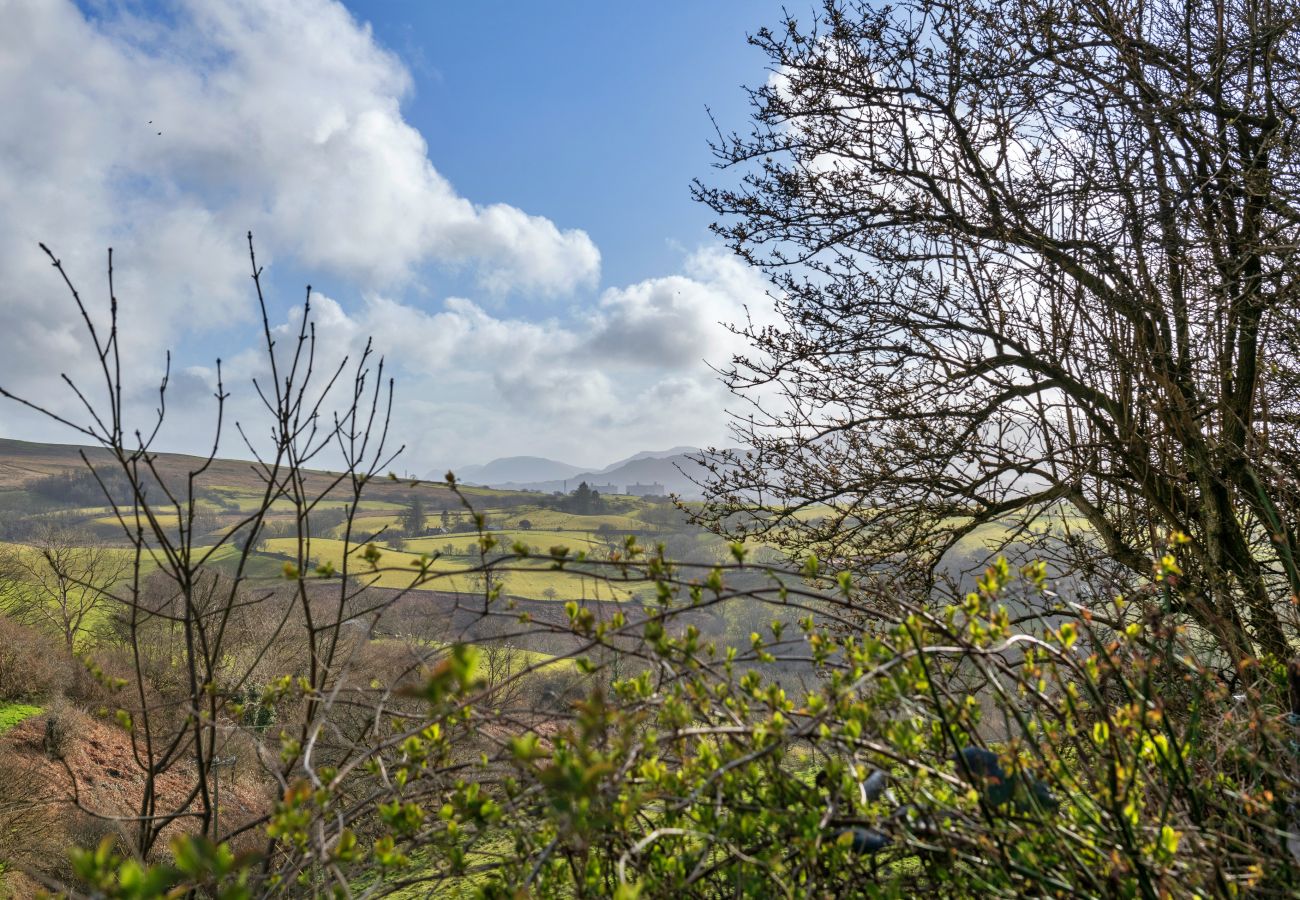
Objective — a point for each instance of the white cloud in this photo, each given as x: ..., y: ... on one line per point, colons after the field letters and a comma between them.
x: 627, y: 376
x: 472, y: 386
x: 674, y: 321
x: 283, y: 117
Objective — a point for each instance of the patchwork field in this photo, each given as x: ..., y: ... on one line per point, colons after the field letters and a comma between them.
x: 38, y: 481
x: 535, y: 580
x: 519, y: 658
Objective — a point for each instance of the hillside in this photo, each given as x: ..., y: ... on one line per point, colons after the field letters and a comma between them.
x: 650, y: 454
x: 676, y: 470
x: 95, y: 768
x: 44, y: 483
x: 513, y: 470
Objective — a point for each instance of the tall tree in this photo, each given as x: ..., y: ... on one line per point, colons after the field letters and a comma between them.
x: 1029, y: 256
x: 62, y: 582
x: 413, y: 516
x: 583, y: 500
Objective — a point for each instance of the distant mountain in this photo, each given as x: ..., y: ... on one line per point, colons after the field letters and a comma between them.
x: 673, y: 472
x: 673, y: 469
x: 516, y: 470
x: 670, y: 471
x: 650, y: 454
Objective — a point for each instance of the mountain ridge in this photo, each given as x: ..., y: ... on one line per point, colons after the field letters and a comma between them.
x: 681, y: 450
x: 516, y: 469
x: 674, y: 470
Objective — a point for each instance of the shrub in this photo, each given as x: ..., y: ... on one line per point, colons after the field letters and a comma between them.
x: 256, y: 711
x: 98, y: 678
x: 64, y: 723
x: 1019, y: 760
x: 33, y: 664
x: 555, y: 688
x: 24, y: 825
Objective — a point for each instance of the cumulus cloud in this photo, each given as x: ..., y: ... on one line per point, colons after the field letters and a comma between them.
x: 674, y: 321
x: 628, y: 375
x: 285, y: 117
x: 169, y: 139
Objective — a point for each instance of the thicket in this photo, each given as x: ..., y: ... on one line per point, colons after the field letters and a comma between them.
x: 80, y: 488
x: 34, y: 665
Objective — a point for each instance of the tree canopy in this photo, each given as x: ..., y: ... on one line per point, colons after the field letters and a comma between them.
x: 1031, y: 259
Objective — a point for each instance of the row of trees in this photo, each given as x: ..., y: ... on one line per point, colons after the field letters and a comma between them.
x: 414, y: 520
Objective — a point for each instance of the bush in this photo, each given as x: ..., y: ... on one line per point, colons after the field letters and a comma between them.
x: 555, y: 687
x: 33, y: 665
x: 24, y: 825
x: 1038, y: 759
x: 36, y: 832
x: 97, y: 679
x: 64, y: 723
x: 257, y: 712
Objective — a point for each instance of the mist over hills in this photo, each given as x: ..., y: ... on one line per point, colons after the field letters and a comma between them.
x: 672, y: 469
x: 509, y: 469
x: 650, y: 454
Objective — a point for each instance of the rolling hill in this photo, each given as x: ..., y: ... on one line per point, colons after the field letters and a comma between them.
x: 513, y: 470
x: 672, y: 468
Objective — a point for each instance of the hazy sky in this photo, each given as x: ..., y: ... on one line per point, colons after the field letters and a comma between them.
x: 497, y: 192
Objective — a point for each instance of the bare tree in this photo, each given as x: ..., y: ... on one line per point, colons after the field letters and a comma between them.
x: 1032, y: 259
x: 62, y: 581
x: 500, y: 664
x: 212, y: 634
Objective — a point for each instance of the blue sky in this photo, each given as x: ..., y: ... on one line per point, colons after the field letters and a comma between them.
x: 595, y: 115
x: 592, y: 114
x: 498, y: 193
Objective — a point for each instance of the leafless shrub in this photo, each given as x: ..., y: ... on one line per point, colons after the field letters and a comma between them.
x: 33, y: 664
x: 64, y: 725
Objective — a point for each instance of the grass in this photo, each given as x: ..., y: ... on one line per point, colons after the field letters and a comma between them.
x: 556, y: 520
x: 531, y: 580
x: 166, y: 520
x: 369, y: 524
x: 259, y: 567
x: 541, y: 540
x: 236, y: 500
x: 491, y: 847
x: 995, y: 534
x: 13, y: 713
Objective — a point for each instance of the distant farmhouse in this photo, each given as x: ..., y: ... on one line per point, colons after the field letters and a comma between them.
x: 606, y: 489
x: 654, y: 489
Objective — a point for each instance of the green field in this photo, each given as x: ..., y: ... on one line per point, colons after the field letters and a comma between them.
x: 557, y: 520
x: 395, y: 569
x: 523, y: 658
x: 541, y: 541
x: 231, y: 489
x: 366, y: 523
